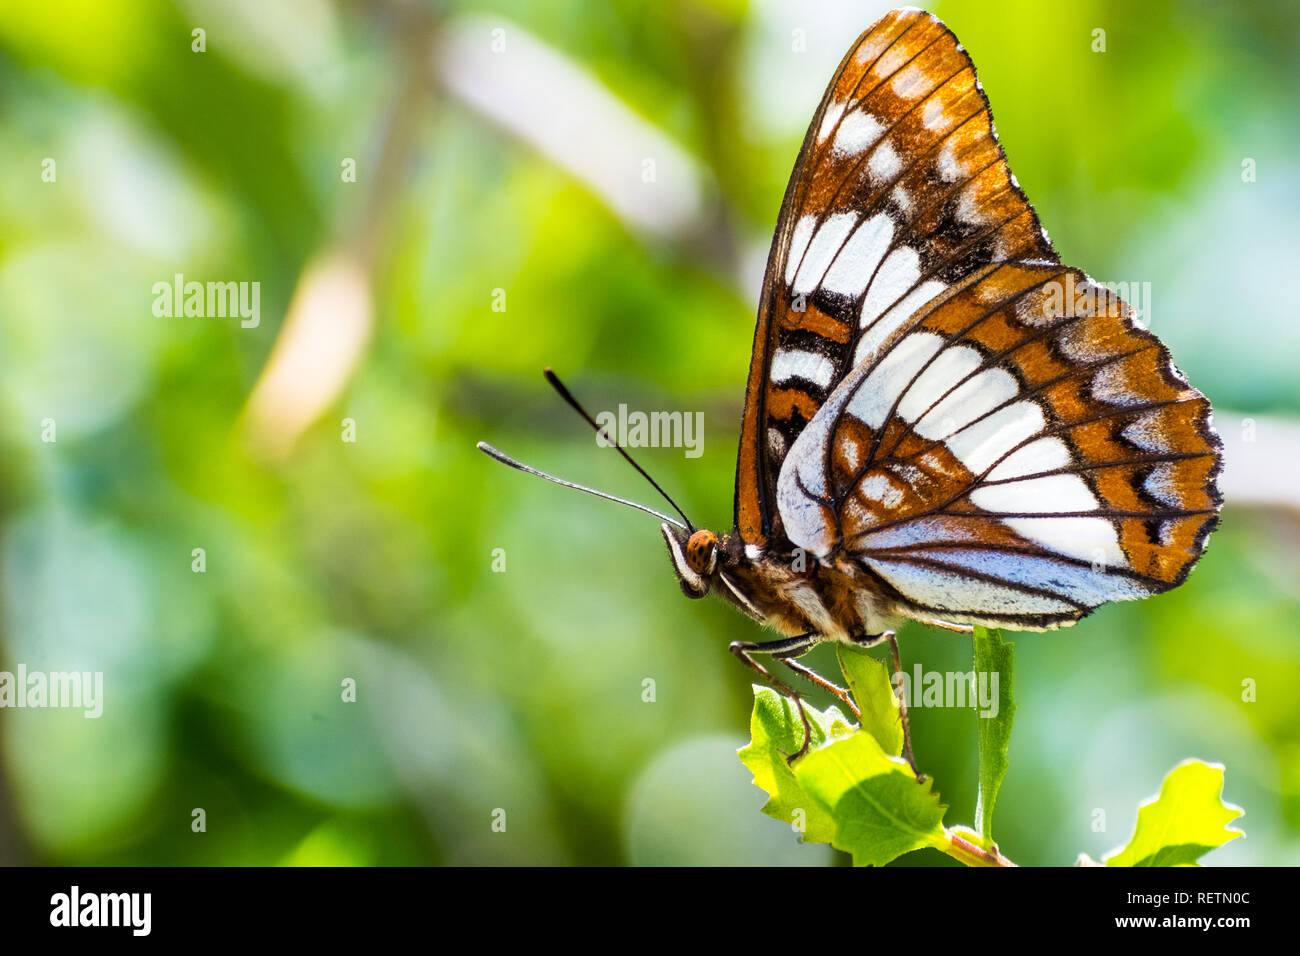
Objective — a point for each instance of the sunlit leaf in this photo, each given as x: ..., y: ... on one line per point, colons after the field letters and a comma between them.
x: 1182, y: 824
x: 332, y: 843
x: 868, y: 679
x: 776, y: 731
x: 879, y: 808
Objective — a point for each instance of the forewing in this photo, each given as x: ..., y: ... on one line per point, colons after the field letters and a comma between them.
x: 900, y: 193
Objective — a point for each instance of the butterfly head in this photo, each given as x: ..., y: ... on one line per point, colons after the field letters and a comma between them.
x: 695, y: 557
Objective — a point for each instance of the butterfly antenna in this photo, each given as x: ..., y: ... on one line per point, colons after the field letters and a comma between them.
x: 602, y: 433
x: 530, y: 470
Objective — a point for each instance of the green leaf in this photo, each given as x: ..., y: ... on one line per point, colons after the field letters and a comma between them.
x: 879, y: 810
x: 775, y: 731
x: 1186, y: 821
x: 993, y: 657
x: 868, y: 679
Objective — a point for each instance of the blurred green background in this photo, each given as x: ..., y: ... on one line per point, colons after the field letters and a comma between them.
x: 504, y: 218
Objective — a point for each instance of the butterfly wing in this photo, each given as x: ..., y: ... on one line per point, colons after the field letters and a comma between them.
x: 900, y: 192
x: 1018, y: 455
x: 935, y: 399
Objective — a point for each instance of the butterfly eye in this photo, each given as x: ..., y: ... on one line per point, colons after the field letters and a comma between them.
x: 702, y: 552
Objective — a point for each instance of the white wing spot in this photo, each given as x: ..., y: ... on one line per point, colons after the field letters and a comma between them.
x: 876, y: 395
x: 1040, y: 308
x: 857, y: 261
x: 821, y: 250
x: 1075, y: 342
x: 1044, y: 454
x: 977, y: 395
x: 950, y: 170
x: 900, y: 196
x: 879, y: 487
x: 948, y: 367
x: 893, y: 59
x: 896, y: 275
x: 829, y: 119
x: 792, y: 363
x: 932, y: 114
x: 803, y: 231
x: 775, y: 443
x: 968, y: 207
x: 1036, y: 495
x: 1084, y: 538
x: 1110, y: 385
x: 1146, y: 433
x: 884, y: 162
x: 979, y: 445
x: 910, y: 82
x: 857, y: 132
x: 869, y: 51
x: 899, y: 313
x: 1162, y: 484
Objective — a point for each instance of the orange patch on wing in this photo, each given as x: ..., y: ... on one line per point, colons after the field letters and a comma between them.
x: 1162, y: 547
x: 1037, y: 364
x: 849, y: 453
x: 783, y: 403
x: 813, y: 319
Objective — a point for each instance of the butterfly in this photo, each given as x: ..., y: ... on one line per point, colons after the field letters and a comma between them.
x: 942, y: 422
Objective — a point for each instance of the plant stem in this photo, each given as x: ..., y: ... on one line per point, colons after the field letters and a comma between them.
x: 962, y: 850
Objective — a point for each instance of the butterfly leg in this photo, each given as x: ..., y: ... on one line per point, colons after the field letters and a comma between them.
x: 805, y: 671
x: 792, y: 646
x: 902, y: 708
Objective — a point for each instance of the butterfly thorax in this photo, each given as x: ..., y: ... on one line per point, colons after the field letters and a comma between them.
x: 785, y: 589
